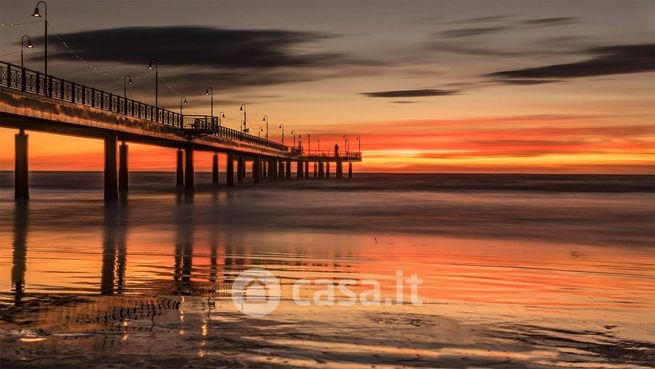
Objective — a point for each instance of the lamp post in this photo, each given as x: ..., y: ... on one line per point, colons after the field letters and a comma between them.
x: 309, y: 142
x: 318, y: 141
x: 245, y: 118
x: 210, y: 91
x: 182, y: 103
x: 359, y: 144
x: 22, y: 46
x: 220, y: 116
x: 150, y: 66
x: 127, y: 80
x: 293, y: 134
x: 282, y: 127
x: 266, y: 120
x: 259, y: 132
x: 45, y: 39
x: 345, y: 143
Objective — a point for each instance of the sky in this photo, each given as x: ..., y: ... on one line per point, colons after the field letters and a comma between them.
x: 427, y: 86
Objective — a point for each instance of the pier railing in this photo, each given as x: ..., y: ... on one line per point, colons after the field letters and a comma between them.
x: 331, y: 154
x: 27, y: 80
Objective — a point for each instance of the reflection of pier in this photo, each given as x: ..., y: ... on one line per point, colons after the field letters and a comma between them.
x: 30, y: 100
x: 209, y: 272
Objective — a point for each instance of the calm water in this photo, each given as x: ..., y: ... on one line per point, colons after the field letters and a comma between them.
x: 517, y: 270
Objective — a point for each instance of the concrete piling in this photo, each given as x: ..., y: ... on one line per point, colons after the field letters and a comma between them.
x: 188, y: 169
x: 111, y: 178
x: 122, y: 167
x: 230, y: 169
x: 215, y: 169
x: 21, y: 170
x: 180, y: 169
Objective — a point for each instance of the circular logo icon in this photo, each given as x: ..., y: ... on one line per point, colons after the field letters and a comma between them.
x: 256, y: 292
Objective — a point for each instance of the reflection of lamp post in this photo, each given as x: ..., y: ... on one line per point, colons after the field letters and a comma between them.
x: 127, y: 80
x: 182, y: 103
x: 45, y: 39
x: 22, y: 46
x: 245, y: 118
x: 266, y: 120
x: 156, y: 81
x: 282, y: 127
x: 210, y: 91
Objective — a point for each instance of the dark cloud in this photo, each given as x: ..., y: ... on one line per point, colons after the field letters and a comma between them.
x: 555, y: 21
x: 197, y: 46
x: 485, y: 19
x: 528, y: 81
x: 411, y: 93
x: 467, y: 32
x: 608, y: 60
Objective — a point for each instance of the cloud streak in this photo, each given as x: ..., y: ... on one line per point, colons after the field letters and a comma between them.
x: 197, y: 46
x: 411, y: 93
x: 610, y: 60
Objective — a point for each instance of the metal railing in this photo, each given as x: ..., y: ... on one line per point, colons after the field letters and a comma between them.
x: 331, y: 154
x: 27, y: 80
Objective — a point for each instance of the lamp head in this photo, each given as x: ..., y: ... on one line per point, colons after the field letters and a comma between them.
x: 207, y: 92
x: 241, y: 108
x: 36, y: 12
x: 129, y: 81
x: 185, y: 102
x: 29, y: 44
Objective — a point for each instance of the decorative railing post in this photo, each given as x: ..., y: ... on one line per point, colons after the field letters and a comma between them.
x: 49, y: 84
x: 22, y: 79
x: 73, y: 92
x: 9, y: 75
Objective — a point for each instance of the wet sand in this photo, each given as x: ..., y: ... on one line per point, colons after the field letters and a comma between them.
x: 540, y: 276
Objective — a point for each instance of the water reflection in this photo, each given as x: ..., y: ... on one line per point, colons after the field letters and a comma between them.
x: 19, y: 258
x: 114, y: 250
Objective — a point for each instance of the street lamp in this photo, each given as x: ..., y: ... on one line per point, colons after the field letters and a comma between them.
x: 156, y: 63
x: 259, y: 132
x: 210, y: 92
x: 293, y: 133
x: 309, y: 142
x: 127, y: 80
x: 359, y: 144
x: 22, y: 46
x: 266, y: 120
x: 220, y: 116
x: 45, y: 39
x: 182, y: 103
x: 345, y: 143
x: 245, y: 118
x: 318, y: 141
x: 282, y: 127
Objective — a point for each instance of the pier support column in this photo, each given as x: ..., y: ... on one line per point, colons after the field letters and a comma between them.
x: 215, y: 169
x: 240, y: 170
x: 271, y: 169
x: 350, y: 170
x: 321, y: 172
x: 299, y: 169
x: 339, y: 169
x: 21, y: 179
x: 111, y: 178
x: 288, y: 169
x: 256, y: 170
x: 327, y: 169
x: 229, y: 169
x: 122, y: 167
x: 306, y: 171
x: 315, y: 170
x: 180, y: 169
x: 188, y: 169
x: 280, y: 169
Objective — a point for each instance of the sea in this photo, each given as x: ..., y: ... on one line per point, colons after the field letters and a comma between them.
x: 443, y: 271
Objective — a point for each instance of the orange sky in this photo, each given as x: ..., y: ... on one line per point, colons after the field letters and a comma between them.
x: 443, y: 86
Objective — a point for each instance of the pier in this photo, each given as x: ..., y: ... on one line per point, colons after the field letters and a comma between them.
x: 33, y: 101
